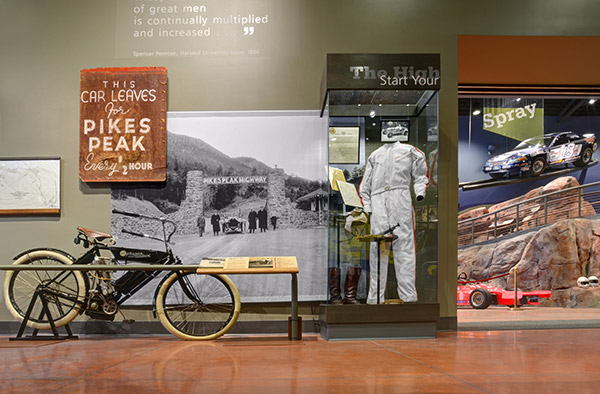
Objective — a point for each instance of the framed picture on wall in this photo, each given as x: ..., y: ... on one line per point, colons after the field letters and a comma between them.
x: 344, y: 145
x: 394, y: 130
x: 29, y: 186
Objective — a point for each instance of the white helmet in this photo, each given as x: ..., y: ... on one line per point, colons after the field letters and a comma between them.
x: 593, y: 281
x: 583, y: 282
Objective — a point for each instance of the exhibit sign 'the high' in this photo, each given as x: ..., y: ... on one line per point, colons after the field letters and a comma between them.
x: 123, y: 114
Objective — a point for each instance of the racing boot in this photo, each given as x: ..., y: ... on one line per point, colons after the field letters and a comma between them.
x: 351, y: 286
x: 335, y: 297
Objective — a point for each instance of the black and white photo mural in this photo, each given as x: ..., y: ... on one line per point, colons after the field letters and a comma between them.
x: 240, y: 184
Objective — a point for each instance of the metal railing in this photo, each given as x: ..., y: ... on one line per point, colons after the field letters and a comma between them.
x: 574, y: 202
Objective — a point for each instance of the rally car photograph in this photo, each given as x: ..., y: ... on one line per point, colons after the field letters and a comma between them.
x: 394, y: 131
x: 535, y: 155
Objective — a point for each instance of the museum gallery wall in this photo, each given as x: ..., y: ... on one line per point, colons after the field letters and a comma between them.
x: 238, y: 65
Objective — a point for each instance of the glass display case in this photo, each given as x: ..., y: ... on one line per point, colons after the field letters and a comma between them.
x: 382, y: 112
x: 383, y: 200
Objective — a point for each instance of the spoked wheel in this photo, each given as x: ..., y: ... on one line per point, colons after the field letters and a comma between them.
x: 198, y: 307
x: 66, y: 290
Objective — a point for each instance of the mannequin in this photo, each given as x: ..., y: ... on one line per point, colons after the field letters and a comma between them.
x: 385, y: 193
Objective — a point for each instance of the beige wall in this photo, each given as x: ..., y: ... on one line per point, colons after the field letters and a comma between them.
x: 44, y: 44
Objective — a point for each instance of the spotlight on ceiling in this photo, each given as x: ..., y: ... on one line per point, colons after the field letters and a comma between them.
x: 477, y: 112
x: 372, y: 114
x: 592, y: 101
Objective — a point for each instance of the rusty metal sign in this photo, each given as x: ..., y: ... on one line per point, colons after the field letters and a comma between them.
x: 123, y: 117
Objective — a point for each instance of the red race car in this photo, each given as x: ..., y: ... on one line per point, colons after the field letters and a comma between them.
x: 480, y: 296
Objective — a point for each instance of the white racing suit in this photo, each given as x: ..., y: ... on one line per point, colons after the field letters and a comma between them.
x: 385, y: 193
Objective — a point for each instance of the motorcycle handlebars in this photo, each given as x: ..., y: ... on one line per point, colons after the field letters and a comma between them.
x: 167, y: 236
x: 133, y: 215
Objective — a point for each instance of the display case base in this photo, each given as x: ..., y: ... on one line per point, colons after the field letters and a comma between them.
x: 390, y: 321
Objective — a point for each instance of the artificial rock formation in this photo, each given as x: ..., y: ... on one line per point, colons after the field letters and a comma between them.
x: 493, y: 259
x: 549, y: 259
x: 540, y: 211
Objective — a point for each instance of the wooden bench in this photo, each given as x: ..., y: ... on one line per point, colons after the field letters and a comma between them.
x: 262, y: 266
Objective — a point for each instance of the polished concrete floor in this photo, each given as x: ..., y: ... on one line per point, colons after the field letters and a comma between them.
x: 521, y: 361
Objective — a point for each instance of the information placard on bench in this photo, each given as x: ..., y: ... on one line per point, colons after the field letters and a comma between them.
x: 248, y: 265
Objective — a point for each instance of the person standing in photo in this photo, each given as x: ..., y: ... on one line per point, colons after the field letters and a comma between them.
x: 214, y: 220
x: 252, y: 216
x: 274, y: 222
x: 201, y: 224
x: 262, y: 220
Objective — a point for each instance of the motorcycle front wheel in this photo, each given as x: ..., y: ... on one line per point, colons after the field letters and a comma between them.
x: 198, y: 307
